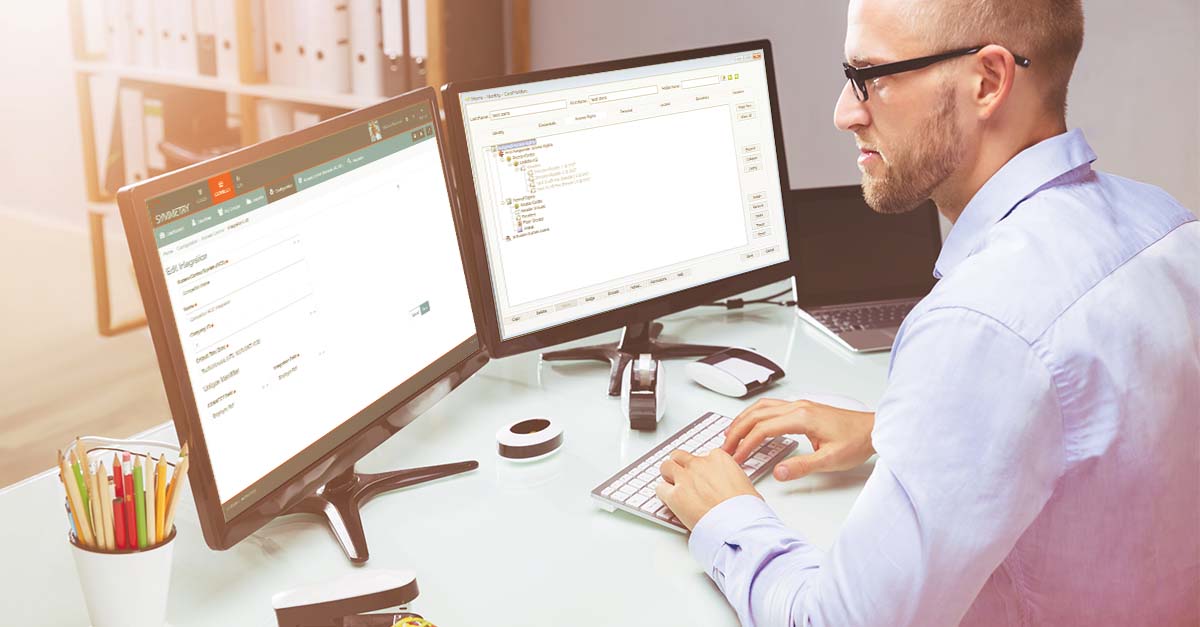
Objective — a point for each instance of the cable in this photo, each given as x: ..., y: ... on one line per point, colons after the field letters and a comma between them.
x: 738, y: 303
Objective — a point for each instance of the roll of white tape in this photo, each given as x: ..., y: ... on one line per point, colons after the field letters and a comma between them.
x: 528, y: 439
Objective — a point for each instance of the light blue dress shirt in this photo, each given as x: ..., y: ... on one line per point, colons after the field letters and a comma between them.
x: 1039, y: 439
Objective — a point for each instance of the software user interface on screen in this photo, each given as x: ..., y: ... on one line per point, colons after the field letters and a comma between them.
x: 307, y: 285
x: 602, y: 190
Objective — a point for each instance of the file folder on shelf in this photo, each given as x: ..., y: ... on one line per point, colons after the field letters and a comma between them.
x: 145, y: 40
x: 185, y: 54
x: 281, y: 42
x: 328, y: 60
x: 119, y: 36
x: 418, y: 42
x: 366, y: 48
x: 240, y: 32
x: 133, y: 140
x: 205, y: 20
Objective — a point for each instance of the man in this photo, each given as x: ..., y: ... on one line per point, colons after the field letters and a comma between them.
x: 1039, y: 440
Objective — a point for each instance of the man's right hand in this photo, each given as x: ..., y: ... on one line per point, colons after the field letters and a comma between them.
x: 841, y: 439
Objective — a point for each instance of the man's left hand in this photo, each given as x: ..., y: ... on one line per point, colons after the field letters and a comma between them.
x: 694, y: 485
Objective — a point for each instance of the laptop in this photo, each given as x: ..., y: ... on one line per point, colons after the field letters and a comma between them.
x: 859, y: 273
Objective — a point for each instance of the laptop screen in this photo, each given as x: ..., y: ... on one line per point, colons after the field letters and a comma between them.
x: 850, y: 254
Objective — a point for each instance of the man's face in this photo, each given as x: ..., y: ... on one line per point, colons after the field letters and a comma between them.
x: 908, y: 130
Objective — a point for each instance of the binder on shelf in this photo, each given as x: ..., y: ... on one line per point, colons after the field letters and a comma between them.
x: 393, y: 15
x: 164, y: 42
x: 133, y: 139
x: 240, y: 30
x: 185, y: 57
x: 252, y: 45
x: 205, y: 21
x: 328, y: 58
x: 145, y: 40
x: 302, y: 14
x: 154, y: 132
x: 274, y: 118
x: 225, y: 25
x: 120, y: 38
x: 418, y: 42
x: 366, y: 48
x: 281, y: 43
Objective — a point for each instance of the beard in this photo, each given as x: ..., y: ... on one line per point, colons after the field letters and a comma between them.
x: 919, y: 164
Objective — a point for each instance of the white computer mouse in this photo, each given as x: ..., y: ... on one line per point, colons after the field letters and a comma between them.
x: 735, y: 372
x: 642, y: 398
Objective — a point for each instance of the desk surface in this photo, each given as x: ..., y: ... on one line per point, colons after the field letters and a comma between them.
x: 506, y: 544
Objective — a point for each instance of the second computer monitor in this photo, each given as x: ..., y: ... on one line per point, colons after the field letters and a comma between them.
x: 609, y: 194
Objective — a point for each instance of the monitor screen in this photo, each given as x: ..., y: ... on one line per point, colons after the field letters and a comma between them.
x: 308, y: 288
x: 849, y: 253
x: 604, y: 189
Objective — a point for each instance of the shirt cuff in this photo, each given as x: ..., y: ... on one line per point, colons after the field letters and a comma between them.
x: 721, y: 522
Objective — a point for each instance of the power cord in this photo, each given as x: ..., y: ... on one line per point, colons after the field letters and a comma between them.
x: 738, y: 303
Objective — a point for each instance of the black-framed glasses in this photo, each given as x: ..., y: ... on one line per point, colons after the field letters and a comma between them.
x: 860, y: 75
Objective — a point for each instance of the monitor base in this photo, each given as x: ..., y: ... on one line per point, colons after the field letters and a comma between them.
x: 339, y: 500
x: 637, y: 338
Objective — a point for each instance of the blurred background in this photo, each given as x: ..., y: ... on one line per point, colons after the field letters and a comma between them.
x: 103, y: 93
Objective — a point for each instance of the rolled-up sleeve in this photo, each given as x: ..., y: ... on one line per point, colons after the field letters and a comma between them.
x: 969, y: 436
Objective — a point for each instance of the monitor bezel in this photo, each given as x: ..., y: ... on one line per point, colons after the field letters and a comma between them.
x: 378, y: 423
x: 643, y: 311
x: 797, y: 200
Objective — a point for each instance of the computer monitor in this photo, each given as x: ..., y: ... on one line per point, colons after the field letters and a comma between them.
x: 307, y: 299
x: 605, y: 195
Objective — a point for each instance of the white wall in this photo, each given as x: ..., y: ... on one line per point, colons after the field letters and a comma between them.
x: 1135, y: 92
x: 41, y: 163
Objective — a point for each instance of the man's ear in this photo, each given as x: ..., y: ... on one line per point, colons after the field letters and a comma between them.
x: 995, y: 70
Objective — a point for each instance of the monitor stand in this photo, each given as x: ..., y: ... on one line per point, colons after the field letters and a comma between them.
x: 637, y: 338
x: 340, y: 499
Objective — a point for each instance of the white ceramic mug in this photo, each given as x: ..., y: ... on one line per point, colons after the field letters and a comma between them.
x: 126, y: 588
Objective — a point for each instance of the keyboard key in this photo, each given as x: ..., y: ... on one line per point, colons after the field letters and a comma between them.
x: 651, y: 506
x: 636, y: 500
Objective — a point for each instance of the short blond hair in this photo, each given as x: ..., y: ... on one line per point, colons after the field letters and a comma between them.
x: 1048, y: 32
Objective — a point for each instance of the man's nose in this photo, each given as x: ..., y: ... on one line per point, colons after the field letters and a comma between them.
x: 849, y: 113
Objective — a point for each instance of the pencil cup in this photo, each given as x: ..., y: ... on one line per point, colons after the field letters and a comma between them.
x: 128, y: 588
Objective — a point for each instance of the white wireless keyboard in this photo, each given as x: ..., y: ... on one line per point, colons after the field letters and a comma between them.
x: 632, y: 488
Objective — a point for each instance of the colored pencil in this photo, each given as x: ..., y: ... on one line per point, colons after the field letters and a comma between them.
x: 151, y: 505
x: 160, y: 497
x: 106, y: 498
x: 130, y: 521
x: 77, y: 470
x: 173, y: 501
x: 139, y: 504
x: 62, y: 479
x: 86, y: 538
x: 119, y: 536
x: 94, y: 512
x: 130, y: 510
x: 118, y: 478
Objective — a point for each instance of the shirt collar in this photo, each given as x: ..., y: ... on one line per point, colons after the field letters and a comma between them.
x: 1025, y: 174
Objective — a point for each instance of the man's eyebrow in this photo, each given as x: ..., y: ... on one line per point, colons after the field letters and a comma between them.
x: 863, y: 61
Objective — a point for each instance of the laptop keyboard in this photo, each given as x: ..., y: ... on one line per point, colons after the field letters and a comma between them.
x: 880, y: 316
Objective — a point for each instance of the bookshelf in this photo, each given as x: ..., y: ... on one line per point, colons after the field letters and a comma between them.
x: 465, y: 39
